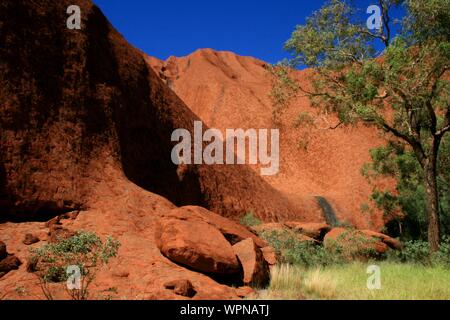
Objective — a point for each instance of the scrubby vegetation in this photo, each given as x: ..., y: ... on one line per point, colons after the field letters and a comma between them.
x: 58, y: 262
x: 309, y: 271
x: 249, y: 220
x: 405, y: 95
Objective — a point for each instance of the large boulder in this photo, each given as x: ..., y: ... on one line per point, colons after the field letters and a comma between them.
x: 313, y: 230
x: 196, y: 245
x: 256, y: 269
x: 358, y: 244
x: 389, y: 241
x: 231, y: 230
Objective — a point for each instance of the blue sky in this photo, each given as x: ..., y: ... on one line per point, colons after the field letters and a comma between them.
x: 256, y: 28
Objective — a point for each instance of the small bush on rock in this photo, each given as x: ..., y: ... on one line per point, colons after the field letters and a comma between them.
x: 85, y: 250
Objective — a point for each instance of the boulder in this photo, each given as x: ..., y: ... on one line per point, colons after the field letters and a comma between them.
x: 269, y: 255
x: 3, y: 252
x: 197, y: 245
x: 182, y: 288
x: 256, y: 269
x: 11, y: 262
x: 390, y: 242
x: 231, y: 230
x: 354, y: 243
x: 316, y: 231
x: 30, y: 239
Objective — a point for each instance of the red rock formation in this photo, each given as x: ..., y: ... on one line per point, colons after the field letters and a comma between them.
x: 75, y: 101
x: 196, y: 245
x: 255, y: 267
x: 85, y: 126
x: 230, y: 91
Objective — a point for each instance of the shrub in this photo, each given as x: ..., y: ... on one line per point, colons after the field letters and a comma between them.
x: 418, y: 252
x: 352, y: 245
x: 292, y: 250
x: 249, y: 220
x: 84, y: 250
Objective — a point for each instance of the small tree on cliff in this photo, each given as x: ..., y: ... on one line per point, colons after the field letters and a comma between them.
x: 402, y: 89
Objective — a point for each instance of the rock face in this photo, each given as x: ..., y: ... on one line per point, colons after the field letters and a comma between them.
x: 255, y: 267
x: 214, y: 84
x: 74, y: 101
x: 86, y: 126
x: 196, y: 245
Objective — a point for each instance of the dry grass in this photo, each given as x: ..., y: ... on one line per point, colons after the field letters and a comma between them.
x: 349, y: 282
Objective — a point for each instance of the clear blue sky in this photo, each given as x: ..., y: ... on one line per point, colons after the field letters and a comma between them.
x: 256, y: 28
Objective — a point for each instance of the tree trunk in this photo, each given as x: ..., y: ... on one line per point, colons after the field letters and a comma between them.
x: 432, y: 199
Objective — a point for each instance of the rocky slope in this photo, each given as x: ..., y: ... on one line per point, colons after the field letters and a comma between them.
x: 230, y: 91
x: 73, y: 101
x: 85, y: 127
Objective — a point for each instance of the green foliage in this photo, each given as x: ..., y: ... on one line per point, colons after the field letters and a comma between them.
x: 249, y: 220
x: 403, y: 90
x: 407, y: 206
x: 84, y: 249
x: 304, y: 253
x: 418, y: 252
x: 284, y: 88
x: 81, y: 249
x: 55, y: 274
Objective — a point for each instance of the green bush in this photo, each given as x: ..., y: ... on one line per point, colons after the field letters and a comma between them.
x: 249, y: 220
x: 85, y: 250
x: 418, y: 252
x: 293, y: 251
x: 412, y: 252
